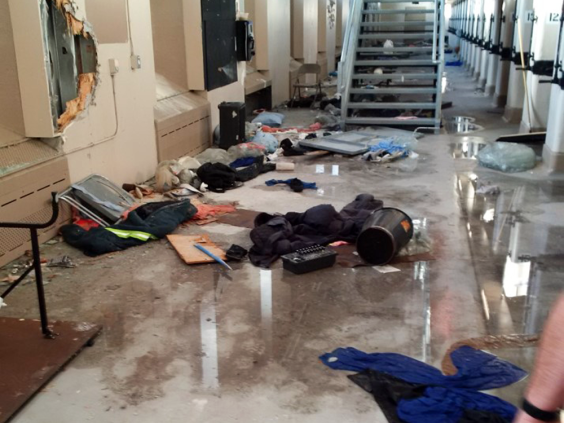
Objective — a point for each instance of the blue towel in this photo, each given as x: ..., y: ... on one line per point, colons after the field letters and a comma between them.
x: 243, y: 162
x: 447, y: 405
x: 445, y: 398
x: 307, y: 185
x: 390, y: 147
x: 477, y: 370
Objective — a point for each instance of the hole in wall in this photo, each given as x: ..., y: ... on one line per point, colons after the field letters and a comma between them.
x: 73, y: 58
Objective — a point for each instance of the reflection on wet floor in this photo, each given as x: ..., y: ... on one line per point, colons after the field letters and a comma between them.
x: 467, y: 147
x: 515, y: 247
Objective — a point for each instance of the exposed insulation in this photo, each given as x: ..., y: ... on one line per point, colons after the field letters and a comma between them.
x: 86, y: 83
x: 75, y: 26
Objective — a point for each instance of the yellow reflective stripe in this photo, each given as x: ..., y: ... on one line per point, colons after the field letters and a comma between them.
x: 141, y: 236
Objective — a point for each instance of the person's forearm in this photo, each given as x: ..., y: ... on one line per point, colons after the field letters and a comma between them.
x: 546, y: 389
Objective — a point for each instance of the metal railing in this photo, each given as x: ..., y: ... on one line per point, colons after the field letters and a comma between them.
x: 348, y: 55
x: 350, y: 44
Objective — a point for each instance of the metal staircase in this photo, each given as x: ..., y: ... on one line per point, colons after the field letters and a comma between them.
x: 392, y: 64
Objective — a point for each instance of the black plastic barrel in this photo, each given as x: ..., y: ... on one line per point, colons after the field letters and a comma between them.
x: 384, y: 234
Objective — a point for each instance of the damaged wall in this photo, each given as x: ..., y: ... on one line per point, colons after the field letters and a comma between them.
x: 11, y: 113
x: 168, y: 38
x: 124, y: 150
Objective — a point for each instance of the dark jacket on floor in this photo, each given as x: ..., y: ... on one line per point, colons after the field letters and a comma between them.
x: 157, y: 219
x: 275, y: 236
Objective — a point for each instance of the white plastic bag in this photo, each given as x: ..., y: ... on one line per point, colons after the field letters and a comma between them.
x: 507, y: 157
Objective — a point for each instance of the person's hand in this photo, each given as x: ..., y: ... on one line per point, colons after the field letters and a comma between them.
x: 525, y: 418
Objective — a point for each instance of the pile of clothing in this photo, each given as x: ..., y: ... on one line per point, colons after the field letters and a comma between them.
x: 276, y: 235
x: 386, y: 151
x: 410, y: 391
x: 148, y: 222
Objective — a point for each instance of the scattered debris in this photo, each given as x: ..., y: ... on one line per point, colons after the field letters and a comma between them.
x: 386, y: 269
x: 236, y: 253
x: 487, y: 188
x: 64, y: 261
x: 295, y: 184
x: 9, y: 279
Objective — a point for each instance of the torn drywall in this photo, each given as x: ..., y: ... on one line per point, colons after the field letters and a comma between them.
x: 87, y: 81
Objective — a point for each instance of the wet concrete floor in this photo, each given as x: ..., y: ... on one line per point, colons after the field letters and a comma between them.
x: 201, y: 344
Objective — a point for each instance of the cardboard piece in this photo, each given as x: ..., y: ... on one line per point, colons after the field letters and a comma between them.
x: 185, y: 247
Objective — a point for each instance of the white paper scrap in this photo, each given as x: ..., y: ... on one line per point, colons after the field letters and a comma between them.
x: 386, y: 269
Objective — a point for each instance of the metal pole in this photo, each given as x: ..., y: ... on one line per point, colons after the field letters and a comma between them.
x: 39, y: 282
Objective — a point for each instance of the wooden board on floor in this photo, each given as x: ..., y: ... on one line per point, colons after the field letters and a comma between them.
x: 185, y: 247
x: 29, y: 361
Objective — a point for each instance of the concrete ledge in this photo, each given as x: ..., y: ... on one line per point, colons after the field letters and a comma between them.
x: 513, y: 115
x: 553, y: 161
x: 482, y: 83
x: 489, y: 90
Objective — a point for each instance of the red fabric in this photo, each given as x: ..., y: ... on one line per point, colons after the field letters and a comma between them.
x: 312, y: 128
x: 206, y: 211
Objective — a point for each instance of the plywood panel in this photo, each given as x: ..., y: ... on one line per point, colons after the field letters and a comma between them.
x: 185, y: 247
x: 109, y: 20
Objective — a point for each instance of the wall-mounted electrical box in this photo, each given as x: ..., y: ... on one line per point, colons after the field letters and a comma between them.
x: 57, y: 64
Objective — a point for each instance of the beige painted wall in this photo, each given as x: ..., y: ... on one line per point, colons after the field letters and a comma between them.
x: 342, y: 18
x: 109, y: 19
x: 130, y: 155
x: 168, y: 39
x: 273, y: 50
x: 304, y: 30
x: 192, y: 13
x: 327, y: 31
x: 310, y: 38
x: 11, y: 114
x: 280, y: 50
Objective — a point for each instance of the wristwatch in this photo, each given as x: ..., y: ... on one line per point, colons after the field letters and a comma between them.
x: 538, y: 414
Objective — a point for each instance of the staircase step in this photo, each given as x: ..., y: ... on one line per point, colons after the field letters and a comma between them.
x: 398, y: 12
x: 395, y: 76
x: 392, y: 121
x: 395, y: 63
x: 394, y: 50
x: 397, y: 1
x: 393, y: 90
x: 397, y: 36
x: 396, y: 24
x: 380, y: 105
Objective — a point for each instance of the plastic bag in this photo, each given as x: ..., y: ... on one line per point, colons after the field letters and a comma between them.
x: 267, y: 140
x: 507, y: 157
x: 248, y: 149
x: 214, y: 155
x: 271, y: 119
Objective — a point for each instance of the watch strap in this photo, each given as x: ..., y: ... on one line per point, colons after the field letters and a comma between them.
x: 537, y: 413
